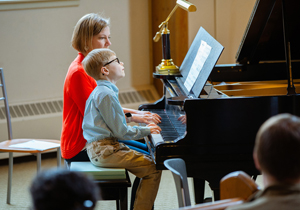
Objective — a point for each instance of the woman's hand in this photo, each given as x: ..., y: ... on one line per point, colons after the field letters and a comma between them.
x: 146, y: 117
x: 154, y: 129
x: 147, y: 113
x: 182, y: 119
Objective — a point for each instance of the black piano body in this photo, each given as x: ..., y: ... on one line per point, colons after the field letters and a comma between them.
x: 220, y: 132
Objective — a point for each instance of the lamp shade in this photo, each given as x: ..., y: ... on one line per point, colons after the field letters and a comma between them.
x: 186, y: 5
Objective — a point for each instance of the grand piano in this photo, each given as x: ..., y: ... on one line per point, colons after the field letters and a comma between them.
x: 222, y: 121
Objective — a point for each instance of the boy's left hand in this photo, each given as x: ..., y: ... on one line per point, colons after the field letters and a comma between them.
x: 154, y: 129
x: 146, y: 117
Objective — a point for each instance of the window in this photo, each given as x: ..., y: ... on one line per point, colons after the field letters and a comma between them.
x: 33, y: 4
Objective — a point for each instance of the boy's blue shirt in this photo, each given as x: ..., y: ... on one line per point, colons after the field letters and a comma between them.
x: 104, y: 116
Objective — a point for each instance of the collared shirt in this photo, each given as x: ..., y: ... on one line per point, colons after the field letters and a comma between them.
x: 274, y: 197
x: 104, y: 116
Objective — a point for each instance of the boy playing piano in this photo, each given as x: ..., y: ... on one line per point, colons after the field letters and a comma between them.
x: 104, y: 124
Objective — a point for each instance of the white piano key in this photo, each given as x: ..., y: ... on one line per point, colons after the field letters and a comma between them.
x: 156, y: 138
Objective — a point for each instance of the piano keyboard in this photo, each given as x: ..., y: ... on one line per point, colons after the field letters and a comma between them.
x: 171, y: 127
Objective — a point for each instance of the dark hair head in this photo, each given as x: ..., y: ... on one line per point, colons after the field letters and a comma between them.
x: 278, y: 146
x: 63, y: 190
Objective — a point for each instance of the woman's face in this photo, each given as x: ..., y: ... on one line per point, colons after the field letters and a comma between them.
x: 101, y: 40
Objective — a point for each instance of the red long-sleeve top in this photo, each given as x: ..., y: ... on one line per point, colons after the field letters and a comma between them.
x: 77, y: 88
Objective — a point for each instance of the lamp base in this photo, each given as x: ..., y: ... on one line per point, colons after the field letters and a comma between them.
x: 167, y: 67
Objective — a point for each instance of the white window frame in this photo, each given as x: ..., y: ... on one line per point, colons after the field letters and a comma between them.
x: 34, y: 4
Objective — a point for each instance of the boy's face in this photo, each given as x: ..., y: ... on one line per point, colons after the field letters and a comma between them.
x: 115, y: 69
x: 101, y: 40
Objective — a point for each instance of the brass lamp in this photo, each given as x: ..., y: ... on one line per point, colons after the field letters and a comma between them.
x: 167, y: 66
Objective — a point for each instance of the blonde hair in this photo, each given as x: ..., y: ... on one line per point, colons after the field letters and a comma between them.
x: 95, y: 60
x: 87, y: 27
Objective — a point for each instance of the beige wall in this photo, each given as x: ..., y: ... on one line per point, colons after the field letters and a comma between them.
x: 225, y: 20
x: 35, y: 49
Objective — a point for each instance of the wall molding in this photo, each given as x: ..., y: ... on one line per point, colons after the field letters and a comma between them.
x: 35, y: 4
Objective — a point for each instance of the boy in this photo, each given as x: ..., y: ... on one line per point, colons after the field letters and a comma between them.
x: 276, y: 155
x: 104, y: 124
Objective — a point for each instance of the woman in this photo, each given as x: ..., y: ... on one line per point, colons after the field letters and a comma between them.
x: 91, y: 32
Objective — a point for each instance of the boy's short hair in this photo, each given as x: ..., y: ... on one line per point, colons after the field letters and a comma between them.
x: 95, y: 60
x: 277, y: 147
x: 87, y: 27
x: 63, y: 190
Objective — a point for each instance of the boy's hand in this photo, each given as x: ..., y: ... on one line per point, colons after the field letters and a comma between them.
x: 154, y: 129
x: 146, y: 117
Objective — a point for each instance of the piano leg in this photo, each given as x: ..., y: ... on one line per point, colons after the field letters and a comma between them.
x: 199, y: 189
x: 215, y: 186
x: 217, y: 195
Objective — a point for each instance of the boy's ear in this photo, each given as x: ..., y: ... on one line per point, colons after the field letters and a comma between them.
x: 104, y: 71
x: 256, y: 162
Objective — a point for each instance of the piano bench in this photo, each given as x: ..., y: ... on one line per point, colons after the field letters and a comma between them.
x: 115, y: 189
x: 110, y: 189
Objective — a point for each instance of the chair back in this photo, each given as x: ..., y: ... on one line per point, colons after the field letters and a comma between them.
x: 6, y: 107
x: 237, y: 184
x: 178, y: 169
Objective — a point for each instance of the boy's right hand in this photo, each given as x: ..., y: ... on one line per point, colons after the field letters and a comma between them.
x: 154, y: 129
x: 146, y: 118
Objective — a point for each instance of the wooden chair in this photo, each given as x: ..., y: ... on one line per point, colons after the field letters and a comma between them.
x: 237, y: 184
x: 235, y: 188
x: 218, y: 205
x: 5, y: 145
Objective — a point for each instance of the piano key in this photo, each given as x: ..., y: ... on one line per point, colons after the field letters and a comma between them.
x: 156, y: 138
x: 171, y: 127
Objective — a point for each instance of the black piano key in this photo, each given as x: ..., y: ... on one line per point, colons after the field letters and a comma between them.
x: 171, y: 127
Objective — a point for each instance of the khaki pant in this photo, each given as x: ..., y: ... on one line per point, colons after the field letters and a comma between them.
x: 111, y: 153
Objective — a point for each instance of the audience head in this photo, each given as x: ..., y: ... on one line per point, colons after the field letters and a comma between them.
x: 91, y: 32
x: 277, y: 148
x: 63, y: 190
x: 95, y: 60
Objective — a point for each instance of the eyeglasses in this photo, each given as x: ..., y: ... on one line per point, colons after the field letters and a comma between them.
x: 116, y: 59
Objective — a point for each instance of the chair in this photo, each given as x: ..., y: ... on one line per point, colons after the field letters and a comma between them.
x: 217, y: 205
x: 235, y: 188
x: 237, y: 184
x: 178, y: 169
x: 5, y: 145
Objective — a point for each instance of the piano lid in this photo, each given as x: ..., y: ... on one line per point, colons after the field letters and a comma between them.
x: 263, y: 39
